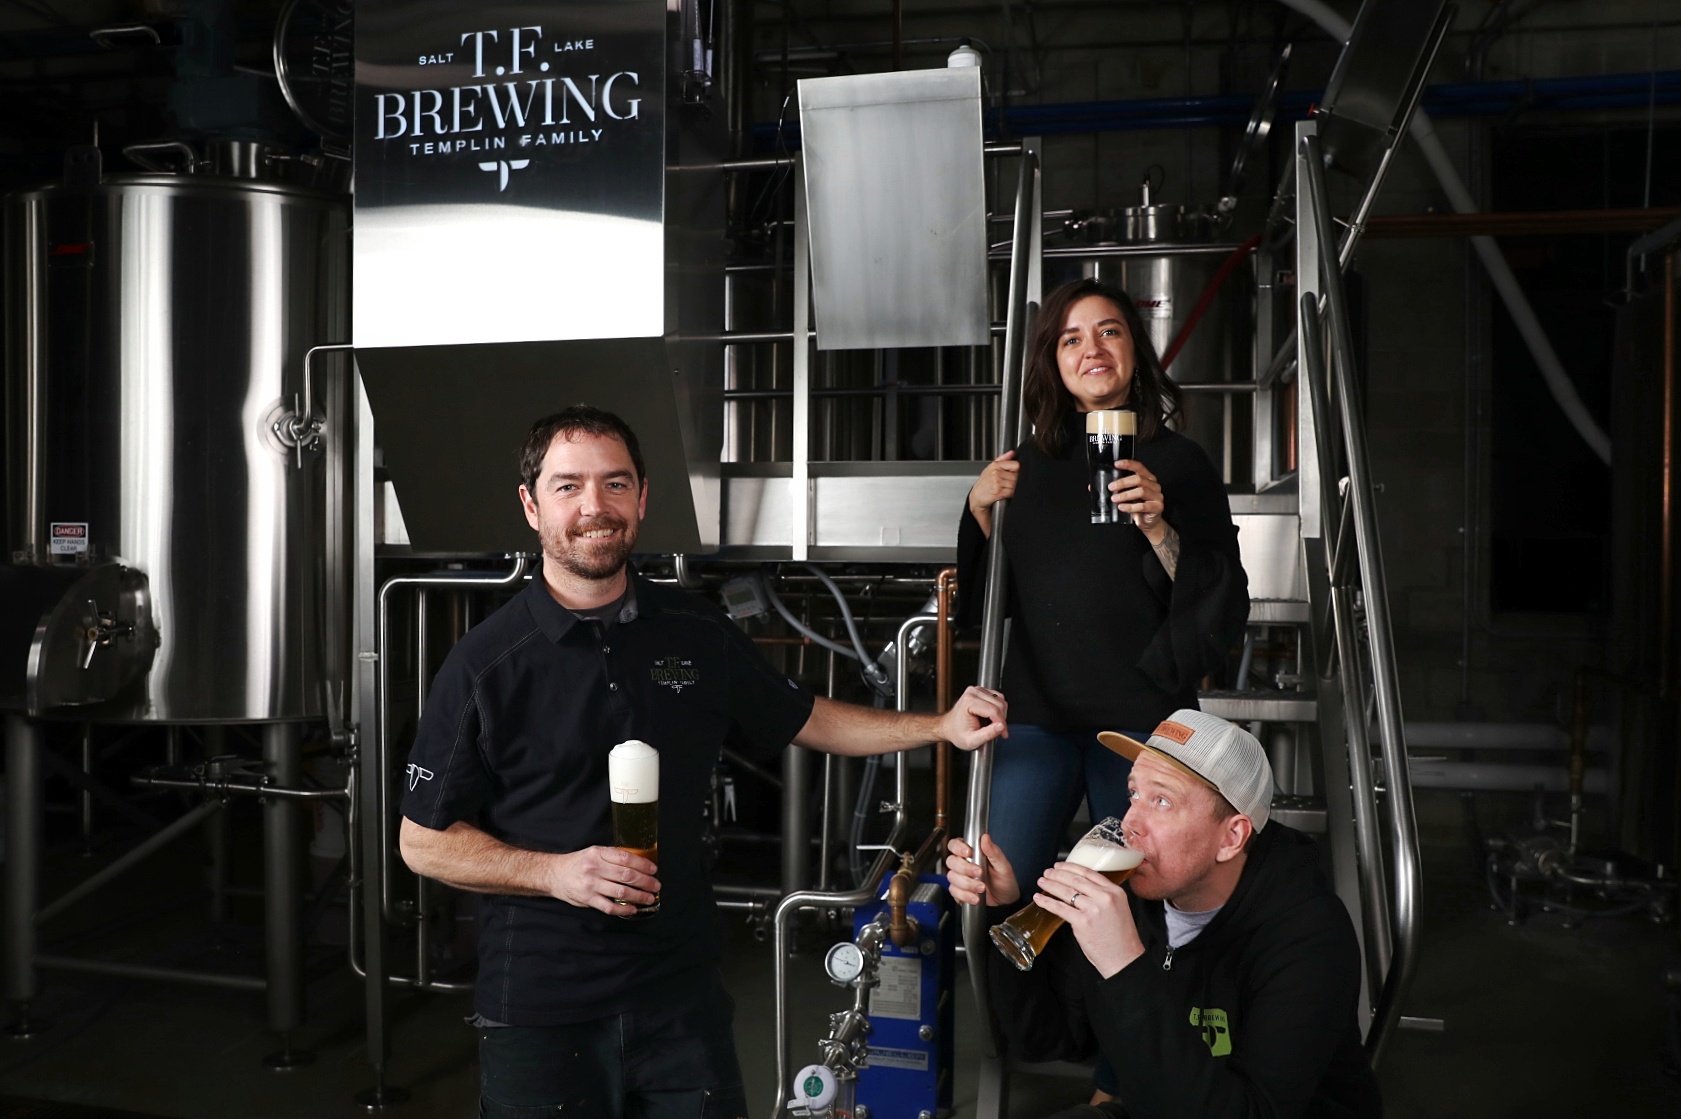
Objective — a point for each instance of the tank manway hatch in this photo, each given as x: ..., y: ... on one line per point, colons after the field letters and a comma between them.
x: 539, y: 221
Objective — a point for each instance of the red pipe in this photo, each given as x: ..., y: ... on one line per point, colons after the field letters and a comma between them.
x: 1208, y: 293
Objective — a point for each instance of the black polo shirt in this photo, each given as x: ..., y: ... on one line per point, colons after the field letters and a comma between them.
x: 514, y: 740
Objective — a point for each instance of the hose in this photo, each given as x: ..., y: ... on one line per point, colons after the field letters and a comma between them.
x: 846, y: 610
x: 874, y: 675
x: 799, y: 626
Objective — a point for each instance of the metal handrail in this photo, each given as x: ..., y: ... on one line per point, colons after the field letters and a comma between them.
x: 990, y: 671
x: 1341, y: 637
x: 1360, y: 498
x: 382, y: 731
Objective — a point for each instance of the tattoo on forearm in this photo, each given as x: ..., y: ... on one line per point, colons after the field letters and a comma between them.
x: 1168, y: 552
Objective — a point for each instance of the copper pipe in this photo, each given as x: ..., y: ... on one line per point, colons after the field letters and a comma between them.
x: 1520, y: 224
x: 1290, y: 432
x: 1666, y: 547
x: 900, y: 928
x: 1666, y: 571
x: 945, y: 585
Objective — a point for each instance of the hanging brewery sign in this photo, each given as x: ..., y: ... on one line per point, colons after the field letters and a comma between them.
x: 510, y: 162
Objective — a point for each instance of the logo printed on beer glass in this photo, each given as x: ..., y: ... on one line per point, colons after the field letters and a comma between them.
x: 1110, y: 435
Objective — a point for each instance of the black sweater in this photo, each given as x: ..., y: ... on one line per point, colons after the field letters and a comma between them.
x: 1255, y: 1017
x: 1100, y: 637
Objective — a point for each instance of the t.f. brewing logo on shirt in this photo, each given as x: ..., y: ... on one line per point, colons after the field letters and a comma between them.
x: 1216, y: 1029
x: 675, y: 673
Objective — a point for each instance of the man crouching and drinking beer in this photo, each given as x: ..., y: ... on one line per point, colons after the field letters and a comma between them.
x: 1221, y: 979
x: 559, y: 770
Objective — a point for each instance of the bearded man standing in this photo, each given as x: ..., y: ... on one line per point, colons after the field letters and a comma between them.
x: 580, y: 1012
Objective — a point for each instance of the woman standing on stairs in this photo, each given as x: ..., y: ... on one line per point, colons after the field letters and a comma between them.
x: 1112, y: 625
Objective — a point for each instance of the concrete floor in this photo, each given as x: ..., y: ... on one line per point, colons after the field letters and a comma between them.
x: 1540, y: 1019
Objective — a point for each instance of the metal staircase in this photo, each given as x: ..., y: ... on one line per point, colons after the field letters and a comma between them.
x: 1311, y: 547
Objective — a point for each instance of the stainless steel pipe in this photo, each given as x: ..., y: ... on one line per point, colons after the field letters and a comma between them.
x: 382, y: 732
x: 870, y: 891
x: 283, y: 949
x: 23, y: 862
x: 1018, y: 320
x: 146, y: 971
x: 815, y: 898
x: 129, y: 859
x: 222, y: 787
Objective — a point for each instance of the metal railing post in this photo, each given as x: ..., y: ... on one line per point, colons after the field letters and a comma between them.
x: 1023, y: 277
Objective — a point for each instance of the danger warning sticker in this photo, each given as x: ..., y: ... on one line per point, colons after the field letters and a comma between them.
x: 69, y: 538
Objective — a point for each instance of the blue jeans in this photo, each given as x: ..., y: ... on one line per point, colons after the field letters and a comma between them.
x: 672, y: 1059
x: 1038, y: 778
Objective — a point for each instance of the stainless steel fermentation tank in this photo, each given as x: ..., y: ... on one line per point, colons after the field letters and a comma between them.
x: 1166, y: 273
x: 156, y: 327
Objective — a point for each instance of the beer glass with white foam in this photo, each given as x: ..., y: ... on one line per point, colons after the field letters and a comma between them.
x: 633, y: 778
x: 1028, y: 930
x: 1110, y: 435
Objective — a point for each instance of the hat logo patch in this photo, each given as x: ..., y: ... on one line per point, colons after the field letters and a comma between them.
x: 1179, y: 732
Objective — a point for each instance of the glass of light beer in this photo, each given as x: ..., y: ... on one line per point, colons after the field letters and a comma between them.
x: 633, y: 779
x: 1028, y: 930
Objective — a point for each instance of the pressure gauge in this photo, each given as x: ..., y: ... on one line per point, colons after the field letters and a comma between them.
x: 844, y: 963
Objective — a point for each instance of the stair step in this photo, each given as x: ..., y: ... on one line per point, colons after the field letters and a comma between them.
x: 1277, y: 611
x: 1266, y: 707
x: 1302, y: 813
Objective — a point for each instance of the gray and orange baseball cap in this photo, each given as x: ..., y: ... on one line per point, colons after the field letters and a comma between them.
x: 1221, y: 755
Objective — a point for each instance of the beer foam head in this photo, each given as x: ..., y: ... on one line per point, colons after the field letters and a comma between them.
x: 1104, y: 857
x: 1112, y: 421
x: 633, y: 773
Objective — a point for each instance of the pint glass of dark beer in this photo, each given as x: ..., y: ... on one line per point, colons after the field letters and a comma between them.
x: 633, y: 777
x: 1110, y: 434
x: 1028, y: 930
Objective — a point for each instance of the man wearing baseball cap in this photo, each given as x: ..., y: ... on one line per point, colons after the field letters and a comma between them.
x: 1222, y: 979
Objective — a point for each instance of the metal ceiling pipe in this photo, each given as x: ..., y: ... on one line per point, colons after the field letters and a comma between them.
x: 1493, y: 260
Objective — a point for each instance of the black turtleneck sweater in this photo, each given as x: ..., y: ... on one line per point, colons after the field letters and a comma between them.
x: 1100, y: 637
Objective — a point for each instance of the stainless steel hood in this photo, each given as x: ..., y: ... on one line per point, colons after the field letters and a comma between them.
x: 451, y: 418
x: 538, y: 218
